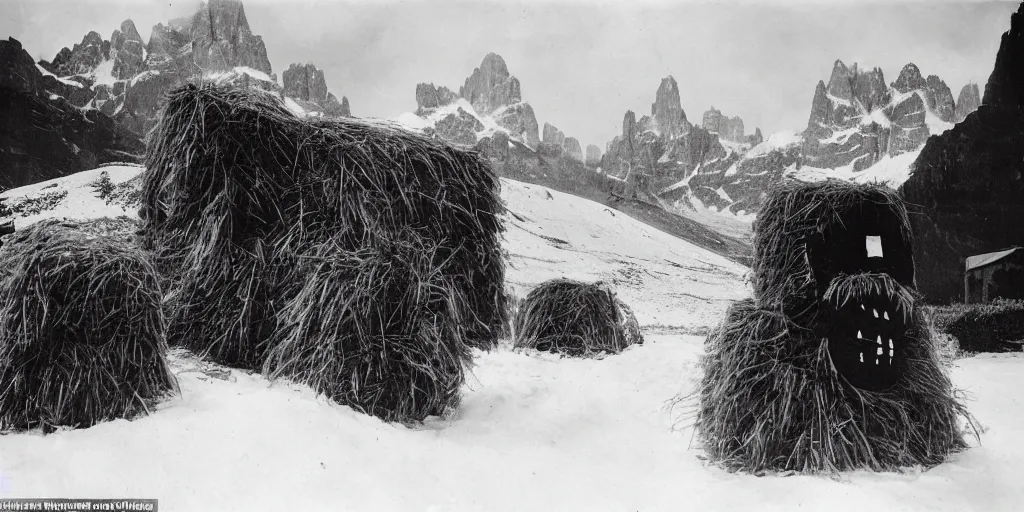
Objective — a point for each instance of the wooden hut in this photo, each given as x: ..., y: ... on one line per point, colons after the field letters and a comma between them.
x: 994, y: 275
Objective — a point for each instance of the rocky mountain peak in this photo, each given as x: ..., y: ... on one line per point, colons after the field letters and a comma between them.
x: 83, y: 57
x: 1005, y: 86
x: 940, y: 98
x: 222, y: 38
x: 910, y: 79
x: 968, y: 101
x: 429, y: 97
x: 127, y: 50
x: 305, y: 82
x: 727, y: 128
x: 629, y: 125
x: 491, y: 87
x: 573, y: 148
x: 667, y: 110
x: 552, y: 135
x: 839, y: 83
x: 593, y: 156
x: 127, y: 31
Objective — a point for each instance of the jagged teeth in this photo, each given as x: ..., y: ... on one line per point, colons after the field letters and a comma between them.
x: 879, y: 339
x: 876, y: 360
x: 890, y: 353
x: 875, y: 311
x: 862, y: 307
x: 862, y: 357
x: 885, y: 315
x: 890, y: 343
x: 860, y: 336
x: 880, y: 350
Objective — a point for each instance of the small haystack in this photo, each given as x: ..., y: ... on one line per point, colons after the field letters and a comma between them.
x: 81, y: 330
x: 576, y: 319
x: 238, y: 189
x: 832, y: 365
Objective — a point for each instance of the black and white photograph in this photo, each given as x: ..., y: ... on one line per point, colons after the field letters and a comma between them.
x: 511, y: 255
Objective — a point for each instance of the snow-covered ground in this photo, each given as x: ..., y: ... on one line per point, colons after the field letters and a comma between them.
x: 534, y: 432
x: 724, y: 221
x: 80, y: 200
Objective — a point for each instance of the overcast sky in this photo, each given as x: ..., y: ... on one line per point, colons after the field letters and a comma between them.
x: 581, y: 64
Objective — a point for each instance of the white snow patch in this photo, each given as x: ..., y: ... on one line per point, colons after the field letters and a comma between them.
x: 722, y: 221
x: 104, y: 73
x: 145, y: 75
x: 840, y: 136
x: 837, y: 100
x: 876, y: 116
x: 490, y: 123
x: 775, y: 141
x: 735, y: 147
x: 55, y: 96
x: 722, y: 193
x: 255, y: 73
x: 62, y: 80
x: 892, y: 171
x: 294, y: 107
x: 936, y: 126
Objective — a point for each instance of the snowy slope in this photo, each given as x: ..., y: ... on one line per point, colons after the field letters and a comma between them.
x: 534, y: 432
x: 889, y: 170
x: 80, y: 200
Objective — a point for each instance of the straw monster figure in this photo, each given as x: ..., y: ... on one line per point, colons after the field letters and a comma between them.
x: 832, y: 365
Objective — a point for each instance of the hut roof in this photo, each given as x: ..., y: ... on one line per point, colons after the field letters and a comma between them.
x: 982, y: 260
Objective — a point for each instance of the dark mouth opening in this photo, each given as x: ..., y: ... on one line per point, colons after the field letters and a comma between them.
x: 867, y: 341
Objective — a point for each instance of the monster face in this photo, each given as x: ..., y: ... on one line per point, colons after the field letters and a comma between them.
x: 863, y: 270
x: 830, y: 365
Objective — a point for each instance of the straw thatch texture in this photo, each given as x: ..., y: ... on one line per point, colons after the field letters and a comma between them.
x: 236, y: 187
x: 576, y: 319
x: 379, y: 329
x: 783, y: 388
x: 81, y: 330
x: 798, y: 215
x: 770, y: 400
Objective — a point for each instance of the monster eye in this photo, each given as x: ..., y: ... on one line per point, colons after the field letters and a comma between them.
x: 874, y: 246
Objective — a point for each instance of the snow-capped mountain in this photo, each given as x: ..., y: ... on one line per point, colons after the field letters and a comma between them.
x: 859, y: 129
x: 125, y: 78
x: 43, y: 134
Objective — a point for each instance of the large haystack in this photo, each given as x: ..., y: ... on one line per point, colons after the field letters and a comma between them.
x: 81, y: 330
x: 832, y: 365
x: 327, y: 245
x: 237, y: 189
x: 575, y: 319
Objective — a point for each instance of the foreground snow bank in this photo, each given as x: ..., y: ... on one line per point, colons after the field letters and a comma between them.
x: 534, y: 433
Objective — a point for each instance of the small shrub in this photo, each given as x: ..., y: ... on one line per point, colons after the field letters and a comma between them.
x: 991, y: 327
x: 32, y: 205
x: 103, y: 186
